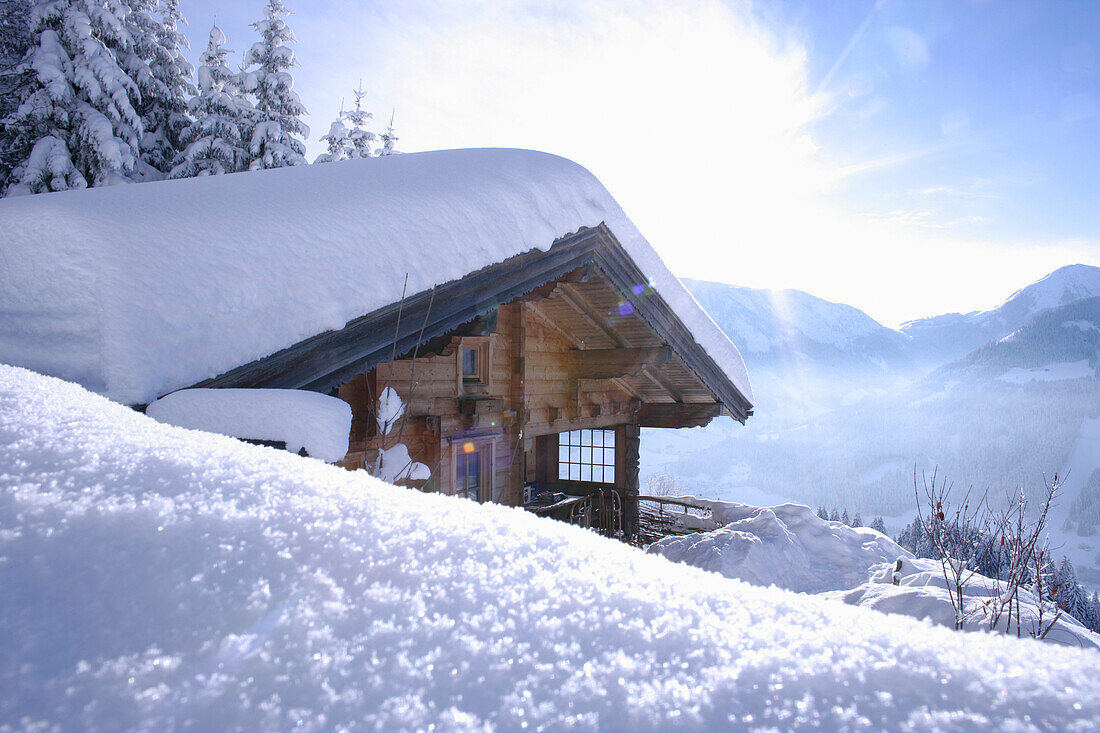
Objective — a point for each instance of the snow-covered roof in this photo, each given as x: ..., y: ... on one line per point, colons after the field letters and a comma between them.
x: 157, y: 578
x: 135, y: 291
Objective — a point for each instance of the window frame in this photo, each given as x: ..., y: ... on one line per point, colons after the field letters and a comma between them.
x: 484, y: 451
x: 614, y: 464
x: 479, y: 381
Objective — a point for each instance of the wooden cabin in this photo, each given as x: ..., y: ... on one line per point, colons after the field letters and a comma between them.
x: 536, y: 372
x: 526, y: 362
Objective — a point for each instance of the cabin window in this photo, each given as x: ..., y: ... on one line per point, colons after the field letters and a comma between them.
x: 473, y: 363
x: 587, y: 455
x: 473, y: 471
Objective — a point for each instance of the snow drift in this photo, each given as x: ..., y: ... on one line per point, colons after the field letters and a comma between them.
x: 136, y: 291
x: 157, y: 577
x: 787, y: 545
x: 922, y: 592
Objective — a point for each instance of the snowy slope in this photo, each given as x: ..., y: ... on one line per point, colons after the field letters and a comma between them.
x: 135, y: 291
x: 160, y: 578
x: 1065, y: 335
x: 941, y: 339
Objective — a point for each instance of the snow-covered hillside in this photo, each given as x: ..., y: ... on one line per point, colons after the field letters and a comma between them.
x: 941, y: 339
x: 159, y: 578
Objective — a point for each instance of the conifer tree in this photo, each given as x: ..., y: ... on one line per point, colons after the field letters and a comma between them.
x: 844, y: 518
x: 822, y: 513
x: 278, y: 109
x: 360, y: 139
x: 879, y: 525
x: 389, y: 139
x: 834, y: 516
x: 349, y: 144
x: 75, y: 124
x: 857, y: 521
x: 15, y: 41
x: 216, y: 140
x: 163, y: 104
x: 337, y: 141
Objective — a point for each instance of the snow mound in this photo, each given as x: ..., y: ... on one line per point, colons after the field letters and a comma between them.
x: 788, y: 546
x: 310, y: 420
x: 137, y: 291
x: 922, y: 592
x: 162, y: 579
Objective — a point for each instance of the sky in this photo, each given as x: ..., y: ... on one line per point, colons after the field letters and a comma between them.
x: 907, y: 158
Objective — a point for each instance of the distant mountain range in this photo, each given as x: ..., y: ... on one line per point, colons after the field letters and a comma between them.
x: 850, y: 412
x: 941, y: 339
x: 781, y: 330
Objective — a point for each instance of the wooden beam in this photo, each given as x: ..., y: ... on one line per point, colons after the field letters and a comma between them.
x: 628, y: 388
x: 612, y: 363
x: 545, y: 321
x: 661, y: 381
x: 666, y: 415
x: 570, y: 295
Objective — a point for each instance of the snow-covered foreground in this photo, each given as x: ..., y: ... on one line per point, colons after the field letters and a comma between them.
x: 156, y: 577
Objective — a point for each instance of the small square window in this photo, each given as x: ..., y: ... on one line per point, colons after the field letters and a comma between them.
x: 473, y: 362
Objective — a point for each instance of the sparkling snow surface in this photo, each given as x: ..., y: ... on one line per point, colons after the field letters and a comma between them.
x: 136, y: 291
x: 788, y: 546
x: 310, y: 420
x: 157, y: 577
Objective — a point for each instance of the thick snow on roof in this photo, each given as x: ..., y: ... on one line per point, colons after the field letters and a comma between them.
x: 162, y: 578
x: 135, y: 291
x: 301, y: 419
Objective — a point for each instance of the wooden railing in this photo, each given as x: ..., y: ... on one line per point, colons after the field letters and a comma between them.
x: 657, y: 520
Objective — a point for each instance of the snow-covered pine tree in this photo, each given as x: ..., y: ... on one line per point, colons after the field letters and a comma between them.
x: 163, y: 104
x: 1070, y: 596
x: 337, y: 141
x: 278, y: 108
x: 822, y: 513
x: 15, y: 40
x: 360, y: 139
x: 216, y: 140
x: 879, y: 525
x: 844, y: 518
x: 389, y: 139
x: 349, y: 144
x: 857, y: 521
x: 834, y: 515
x: 75, y: 124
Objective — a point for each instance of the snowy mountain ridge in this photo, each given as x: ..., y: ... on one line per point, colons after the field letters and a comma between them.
x: 791, y: 326
x: 940, y: 339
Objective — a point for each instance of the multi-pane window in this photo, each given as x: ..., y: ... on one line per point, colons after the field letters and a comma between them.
x: 587, y: 455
